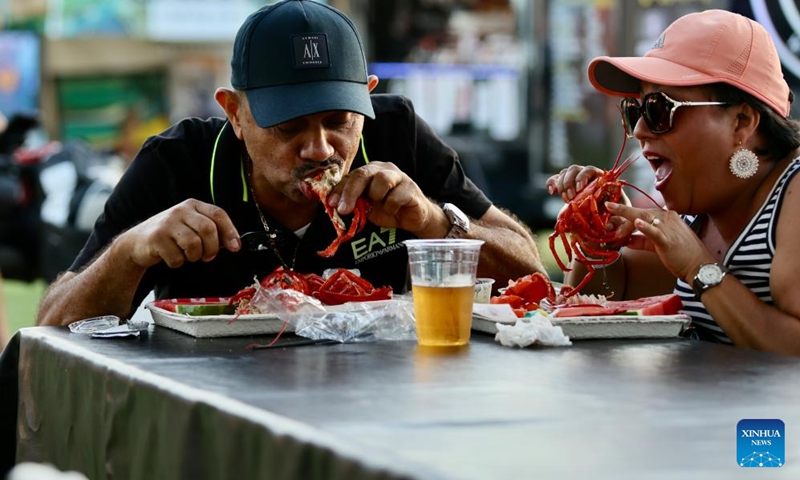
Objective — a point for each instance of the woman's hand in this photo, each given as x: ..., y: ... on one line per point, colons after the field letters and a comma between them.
x: 573, y: 180
x: 665, y: 233
x: 570, y: 181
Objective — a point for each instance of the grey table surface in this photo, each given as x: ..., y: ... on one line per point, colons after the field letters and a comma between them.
x: 599, y: 409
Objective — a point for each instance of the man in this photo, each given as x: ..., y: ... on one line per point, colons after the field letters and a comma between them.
x: 300, y: 106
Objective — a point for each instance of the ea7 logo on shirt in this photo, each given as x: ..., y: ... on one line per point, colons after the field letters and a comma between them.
x: 760, y: 443
x: 374, y: 244
x: 310, y: 50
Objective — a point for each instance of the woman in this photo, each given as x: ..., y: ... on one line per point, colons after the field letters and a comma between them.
x: 710, y: 109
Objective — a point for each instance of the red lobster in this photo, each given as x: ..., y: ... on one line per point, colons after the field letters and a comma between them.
x: 526, y: 293
x: 345, y: 286
x: 279, y: 278
x: 584, y: 219
x: 340, y: 287
x: 321, y: 184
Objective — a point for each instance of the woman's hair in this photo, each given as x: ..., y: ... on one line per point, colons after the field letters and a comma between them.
x: 782, y: 135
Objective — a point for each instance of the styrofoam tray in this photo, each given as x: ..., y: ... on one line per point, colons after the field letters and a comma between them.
x: 615, y: 326
x: 205, y: 326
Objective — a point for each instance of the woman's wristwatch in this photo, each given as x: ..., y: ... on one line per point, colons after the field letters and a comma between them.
x: 459, y: 221
x: 709, y: 276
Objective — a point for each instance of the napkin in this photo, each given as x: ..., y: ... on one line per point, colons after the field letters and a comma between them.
x: 536, y: 329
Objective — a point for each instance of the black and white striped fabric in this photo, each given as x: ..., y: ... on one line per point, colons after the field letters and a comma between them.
x: 749, y: 259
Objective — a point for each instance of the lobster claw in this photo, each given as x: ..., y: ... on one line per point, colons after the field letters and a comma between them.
x: 359, y: 221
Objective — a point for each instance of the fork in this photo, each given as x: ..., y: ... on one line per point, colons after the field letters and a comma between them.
x: 255, y: 241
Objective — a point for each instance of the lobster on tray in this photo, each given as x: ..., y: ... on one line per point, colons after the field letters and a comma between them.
x: 340, y: 287
x: 321, y: 184
x: 525, y: 294
x: 584, y: 220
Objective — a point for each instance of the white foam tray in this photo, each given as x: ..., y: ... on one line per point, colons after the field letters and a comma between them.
x: 207, y: 326
x: 614, y: 326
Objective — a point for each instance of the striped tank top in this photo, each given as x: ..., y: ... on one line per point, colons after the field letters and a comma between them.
x: 749, y: 259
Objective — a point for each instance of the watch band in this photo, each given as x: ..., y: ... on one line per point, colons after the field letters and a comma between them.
x: 459, y: 221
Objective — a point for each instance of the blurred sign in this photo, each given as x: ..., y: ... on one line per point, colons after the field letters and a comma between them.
x: 485, y: 96
x: 19, y: 72
x: 193, y: 21
x: 782, y: 21
x: 85, y: 18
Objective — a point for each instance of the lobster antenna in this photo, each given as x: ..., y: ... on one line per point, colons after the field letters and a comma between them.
x: 621, y: 149
x: 655, y: 202
x: 627, y: 163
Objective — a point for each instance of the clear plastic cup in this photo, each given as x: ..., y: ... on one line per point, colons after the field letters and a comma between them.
x: 483, y: 289
x: 443, y: 284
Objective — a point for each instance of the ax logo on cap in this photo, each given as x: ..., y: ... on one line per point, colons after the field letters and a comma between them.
x: 311, y: 50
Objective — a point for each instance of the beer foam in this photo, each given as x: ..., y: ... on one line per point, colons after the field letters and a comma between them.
x: 457, y: 280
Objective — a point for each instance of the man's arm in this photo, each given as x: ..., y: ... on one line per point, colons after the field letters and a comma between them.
x: 188, y: 232
x: 105, y: 287
x: 509, y: 250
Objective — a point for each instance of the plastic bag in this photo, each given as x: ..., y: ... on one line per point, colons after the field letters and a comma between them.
x: 388, y: 320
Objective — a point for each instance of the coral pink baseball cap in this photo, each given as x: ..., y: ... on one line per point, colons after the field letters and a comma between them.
x: 699, y: 49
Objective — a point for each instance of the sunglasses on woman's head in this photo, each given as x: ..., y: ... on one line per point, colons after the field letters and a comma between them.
x: 656, y: 108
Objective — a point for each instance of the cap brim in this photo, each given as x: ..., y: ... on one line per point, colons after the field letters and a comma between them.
x: 622, y: 76
x: 273, y: 105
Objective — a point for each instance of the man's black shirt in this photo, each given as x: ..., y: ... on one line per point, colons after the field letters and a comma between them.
x: 202, y: 159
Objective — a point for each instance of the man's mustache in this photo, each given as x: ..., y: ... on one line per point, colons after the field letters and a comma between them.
x: 304, y: 170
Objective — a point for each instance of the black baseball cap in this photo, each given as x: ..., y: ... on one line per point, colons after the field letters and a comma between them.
x: 299, y: 57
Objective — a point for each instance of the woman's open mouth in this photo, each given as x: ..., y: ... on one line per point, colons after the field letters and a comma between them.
x: 662, y: 168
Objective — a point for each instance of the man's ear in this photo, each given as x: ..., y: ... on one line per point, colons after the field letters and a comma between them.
x: 372, y: 82
x: 231, y: 103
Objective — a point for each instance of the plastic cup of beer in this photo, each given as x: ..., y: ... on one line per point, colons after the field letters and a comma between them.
x: 443, y: 285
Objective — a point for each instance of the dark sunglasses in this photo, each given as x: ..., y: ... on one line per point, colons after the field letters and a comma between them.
x: 656, y: 108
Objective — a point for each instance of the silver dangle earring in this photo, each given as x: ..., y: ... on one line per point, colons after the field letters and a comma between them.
x: 744, y: 163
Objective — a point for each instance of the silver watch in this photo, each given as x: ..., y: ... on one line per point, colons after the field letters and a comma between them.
x: 710, y: 275
x: 459, y: 221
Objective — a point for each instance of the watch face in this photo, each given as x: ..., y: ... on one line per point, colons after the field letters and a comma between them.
x: 709, y: 274
x: 458, y: 219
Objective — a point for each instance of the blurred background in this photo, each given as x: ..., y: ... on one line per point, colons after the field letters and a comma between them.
x: 84, y: 82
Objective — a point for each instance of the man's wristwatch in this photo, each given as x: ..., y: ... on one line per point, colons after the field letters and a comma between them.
x: 710, y: 275
x: 459, y: 221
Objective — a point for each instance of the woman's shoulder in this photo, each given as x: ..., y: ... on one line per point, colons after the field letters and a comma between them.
x: 789, y: 177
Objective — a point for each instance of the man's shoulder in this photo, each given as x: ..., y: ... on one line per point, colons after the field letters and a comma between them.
x: 387, y: 104
x: 189, y: 141
x: 191, y: 128
x: 187, y: 144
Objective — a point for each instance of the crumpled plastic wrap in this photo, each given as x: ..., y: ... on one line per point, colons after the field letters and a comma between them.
x: 389, y: 320
x: 89, y: 326
x: 107, y: 326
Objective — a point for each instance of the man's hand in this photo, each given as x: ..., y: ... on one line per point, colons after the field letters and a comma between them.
x: 397, y: 201
x: 190, y: 231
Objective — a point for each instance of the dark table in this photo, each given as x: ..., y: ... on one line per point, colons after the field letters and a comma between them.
x: 171, y: 406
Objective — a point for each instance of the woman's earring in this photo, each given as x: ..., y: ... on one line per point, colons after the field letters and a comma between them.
x: 744, y: 163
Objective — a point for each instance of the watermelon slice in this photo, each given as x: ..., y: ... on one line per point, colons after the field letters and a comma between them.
x: 669, y: 304
x: 586, y: 310
x: 196, y: 306
x: 205, y: 309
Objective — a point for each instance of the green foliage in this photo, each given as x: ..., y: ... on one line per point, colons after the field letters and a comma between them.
x: 22, y: 300
x: 548, y: 260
